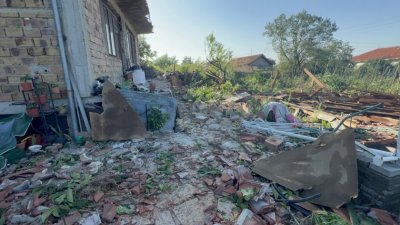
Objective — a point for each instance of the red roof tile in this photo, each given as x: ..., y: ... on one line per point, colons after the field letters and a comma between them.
x: 380, y: 53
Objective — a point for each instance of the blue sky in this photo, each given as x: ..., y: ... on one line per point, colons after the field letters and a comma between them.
x: 180, y: 26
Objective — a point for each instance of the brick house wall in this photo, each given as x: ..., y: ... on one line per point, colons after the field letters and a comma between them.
x: 28, y: 45
x: 104, y: 64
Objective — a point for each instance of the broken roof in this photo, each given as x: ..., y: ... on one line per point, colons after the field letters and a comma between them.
x: 247, y: 60
x: 138, y: 15
x: 380, y: 53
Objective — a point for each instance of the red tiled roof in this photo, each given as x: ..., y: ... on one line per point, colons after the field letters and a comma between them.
x: 380, y: 53
x: 243, y: 61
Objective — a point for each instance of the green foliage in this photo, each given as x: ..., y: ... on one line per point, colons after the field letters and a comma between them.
x: 156, y: 119
x: 145, y: 52
x: 209, y: 171
x: 219, y: 60
x: 296, y: 37
x: 326, y: 218
x: 336, y: 83
x: 378, y: 68
x: 165, y: 63
x: 204, y: 93
x: 122, y: 210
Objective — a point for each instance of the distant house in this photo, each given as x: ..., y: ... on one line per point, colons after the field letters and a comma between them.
x: 251, y: 63
x: 101, y: 39
x: 391, y: 54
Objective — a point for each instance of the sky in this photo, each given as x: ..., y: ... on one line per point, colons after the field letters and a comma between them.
x: 181, y: 26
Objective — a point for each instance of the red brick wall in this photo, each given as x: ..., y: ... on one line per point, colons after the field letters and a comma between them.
x: 28, y: 44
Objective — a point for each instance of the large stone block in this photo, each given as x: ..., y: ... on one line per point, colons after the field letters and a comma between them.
x: 49, y: 60
x: 32, y: 32
x: 24, y: 42
x: 2, y: 33
x: 13, y: 22
x: 16, y: 3
x: 4, y: 52
x: 14, y: 32
x: 119, y: 121
x: 5, y: 98
x: 34, y: 3
x: 9, y: 88
x: 7, y: 42
x: 36, y: 51
x: 4, y: 14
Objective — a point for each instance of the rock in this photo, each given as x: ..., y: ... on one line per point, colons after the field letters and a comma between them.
x: 200, y: 118
x: 229, y: 190
x: 85, y: 158
x: 214, y: 126
x: 183, y: 140
x: 227, y: 175
x: 6, y: 183
x: 42, y: 175
x: 109, y: 212
x: 262, y: 206
x: 247, y: 217
x: 141, y: 220
x: 226, y: 207
x: 95, y: 166
x: 184, y: 212
x: 230, y: 145
x: 54, y: 147
x: 182, y: 174
x: 22, y: 219
x: 136, y: 190
x: 208, y: 181
x: 90, y: 219
x: 22, y: 187
x: 98, y: 196
x: 243, y: 156
x: 216, y: 114
x: 163, y: 218
x: 72, y: 218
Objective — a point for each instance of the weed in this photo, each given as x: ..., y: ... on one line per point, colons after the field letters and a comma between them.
x: 156, y: 119
x: 326, y: 218
x: 210, y: 171
x: 66, y: 160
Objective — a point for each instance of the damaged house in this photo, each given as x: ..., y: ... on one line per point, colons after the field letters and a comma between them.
x: 252, y: 63
x: 100, y: 39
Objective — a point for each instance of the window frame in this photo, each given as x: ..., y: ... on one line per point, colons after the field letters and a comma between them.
x: 112, y: 30
x: 131, y: 47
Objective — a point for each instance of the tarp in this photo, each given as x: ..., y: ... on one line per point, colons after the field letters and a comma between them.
x: 11, y: 126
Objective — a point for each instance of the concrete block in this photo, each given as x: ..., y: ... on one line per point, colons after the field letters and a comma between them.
x: 24, y: 42
x: 49, y: 60
x: 3, y: 3
x: 10, y: 88
x: 387, y: 169
x: 36, y: 51
x: 35, y: 22
x: 142, y: 102
x: 28, y: 60
x: 50, y: 78
x: 53, y: 51
x: 42, y: 42
x: 8, y: 13
x: 4, y: 52
x: 14, y: 79
x: 46, y: 14
x: 3, y: 80
x: 17, y: 96
x: 34, y: 3
x: 48, y: 31
x: 32, y: 32
x: 7, y: 42
x: 16, y: 3
x: 13, y: 22
x: 2, y: 33
x: 14, y: 32
x: 5, y: 98
x: 119, y: 121
x: 3, y: 22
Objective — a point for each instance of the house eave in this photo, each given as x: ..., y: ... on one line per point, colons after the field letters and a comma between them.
x: 138, y: 15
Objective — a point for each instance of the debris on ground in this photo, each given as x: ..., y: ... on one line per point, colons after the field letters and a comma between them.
x: 211, y: 170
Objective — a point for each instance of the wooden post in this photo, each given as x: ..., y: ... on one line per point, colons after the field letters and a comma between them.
x: 274, y: 80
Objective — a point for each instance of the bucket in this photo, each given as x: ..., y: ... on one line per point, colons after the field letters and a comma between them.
x: 138, y: 77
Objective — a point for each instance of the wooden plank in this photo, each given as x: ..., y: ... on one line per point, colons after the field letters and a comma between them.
x: 274, y: 80
x: 319, y: 83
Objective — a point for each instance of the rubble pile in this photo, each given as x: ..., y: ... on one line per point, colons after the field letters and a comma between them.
x: 198, y: 175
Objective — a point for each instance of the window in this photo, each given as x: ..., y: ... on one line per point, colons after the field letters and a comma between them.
x: 111, y: 29
x: 130, y: 44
